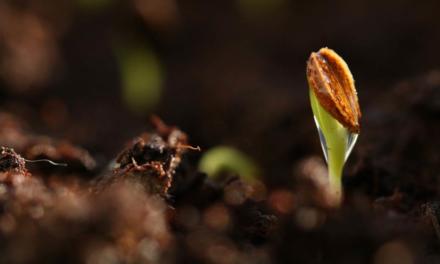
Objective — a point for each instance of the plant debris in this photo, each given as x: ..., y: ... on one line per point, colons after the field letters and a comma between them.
x: 150, y: 159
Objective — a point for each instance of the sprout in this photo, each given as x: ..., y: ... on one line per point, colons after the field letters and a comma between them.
x: 227, y: 159
x: 336, y: 111
x: 141, y: 77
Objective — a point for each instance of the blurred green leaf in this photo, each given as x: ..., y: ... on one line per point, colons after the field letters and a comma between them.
x: 227, y: 159
x: 141, y: 76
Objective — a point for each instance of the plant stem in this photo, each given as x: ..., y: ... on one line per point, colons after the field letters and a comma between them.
x: 335, y: 146
x: 336, y: 160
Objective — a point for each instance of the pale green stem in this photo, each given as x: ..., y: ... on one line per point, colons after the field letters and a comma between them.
x: 336, y: 145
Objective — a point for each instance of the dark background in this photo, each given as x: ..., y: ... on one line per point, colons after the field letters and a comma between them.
x: 228, y: 72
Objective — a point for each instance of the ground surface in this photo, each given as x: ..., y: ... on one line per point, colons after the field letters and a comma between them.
x: 225, y: 73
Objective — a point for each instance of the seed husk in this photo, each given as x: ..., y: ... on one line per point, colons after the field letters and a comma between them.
x: 332, y: 82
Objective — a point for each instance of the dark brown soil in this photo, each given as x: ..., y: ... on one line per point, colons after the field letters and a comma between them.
x: 231, y: 73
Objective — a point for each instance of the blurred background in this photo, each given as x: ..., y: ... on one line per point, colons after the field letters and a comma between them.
x: 229, y: 73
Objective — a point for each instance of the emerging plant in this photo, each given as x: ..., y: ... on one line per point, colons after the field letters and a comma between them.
x: 336, y: 111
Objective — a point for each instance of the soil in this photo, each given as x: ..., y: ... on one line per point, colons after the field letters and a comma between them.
x: 132, y: 191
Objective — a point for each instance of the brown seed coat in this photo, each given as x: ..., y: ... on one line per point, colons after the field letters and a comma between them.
x: 333, y: 84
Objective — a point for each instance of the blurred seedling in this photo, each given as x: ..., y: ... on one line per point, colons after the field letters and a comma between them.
x: 336, y: 111
x: 227, y: 159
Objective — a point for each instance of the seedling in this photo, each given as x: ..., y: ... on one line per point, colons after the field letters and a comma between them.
x: 227, y: 159
x: 336, y: 112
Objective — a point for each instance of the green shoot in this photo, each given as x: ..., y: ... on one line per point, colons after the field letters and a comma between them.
x: 335, y: 136
x: 336, y: 112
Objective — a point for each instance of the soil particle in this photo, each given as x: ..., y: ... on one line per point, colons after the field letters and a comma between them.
x: 150, y: 159
x: 11, y: 161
